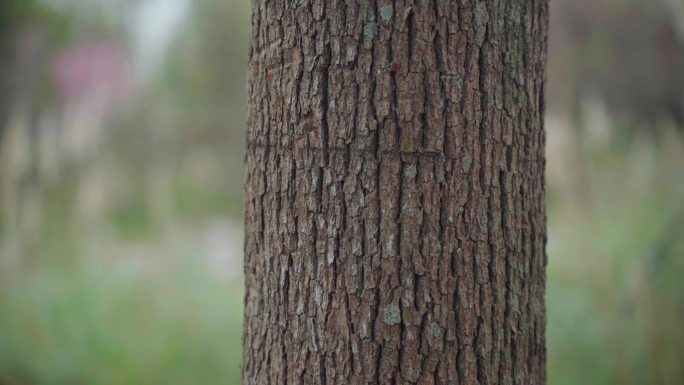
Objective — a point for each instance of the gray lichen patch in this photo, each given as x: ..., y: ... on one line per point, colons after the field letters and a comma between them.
x: 406, y: 207
x: 481, y: 20
x: 386, y: 13
x: 369, y: 31
x: 410, y: 171
x: 435, y: 330
x: 480, y: 14
x: 467, y: 162
x: 392, y: 315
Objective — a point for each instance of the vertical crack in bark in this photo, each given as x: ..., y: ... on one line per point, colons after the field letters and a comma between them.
x: 325, y: 78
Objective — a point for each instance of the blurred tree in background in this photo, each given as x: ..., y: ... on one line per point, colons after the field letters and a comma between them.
x: 628, y: 53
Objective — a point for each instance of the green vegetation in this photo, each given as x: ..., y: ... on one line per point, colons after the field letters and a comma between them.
x: 615, y: 300
x: 119, y: 322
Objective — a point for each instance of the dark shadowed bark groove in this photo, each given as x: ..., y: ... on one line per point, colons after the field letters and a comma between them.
x: 395, y: 226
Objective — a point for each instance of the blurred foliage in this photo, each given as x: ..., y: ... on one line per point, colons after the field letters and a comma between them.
x: 116, y: 323
x: 628, y: 52
x: 63, y: 20
x: 16, y: 13
x: 615, y: 300
x: 194, y: 110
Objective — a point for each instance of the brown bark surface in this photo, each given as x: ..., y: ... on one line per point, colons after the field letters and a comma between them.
x: 395, y: 223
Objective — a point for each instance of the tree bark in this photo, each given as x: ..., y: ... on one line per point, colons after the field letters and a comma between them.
x: 395, y: 221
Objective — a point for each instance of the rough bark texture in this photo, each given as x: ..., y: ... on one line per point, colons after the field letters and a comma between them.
x: 395, y: 223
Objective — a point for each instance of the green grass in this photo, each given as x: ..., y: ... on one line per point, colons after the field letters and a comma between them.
x: 615, y: 298
x: 611, y: 319
x: 116, y: 323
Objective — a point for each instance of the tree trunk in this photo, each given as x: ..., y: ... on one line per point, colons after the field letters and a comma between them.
x: 395, y: 222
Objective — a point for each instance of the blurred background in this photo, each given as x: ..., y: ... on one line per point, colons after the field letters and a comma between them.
x: 121, y: 150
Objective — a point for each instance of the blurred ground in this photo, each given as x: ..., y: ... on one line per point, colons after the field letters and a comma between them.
x: 121, y: 149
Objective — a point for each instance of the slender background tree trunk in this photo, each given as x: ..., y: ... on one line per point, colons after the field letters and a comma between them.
x: 395, y: 223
